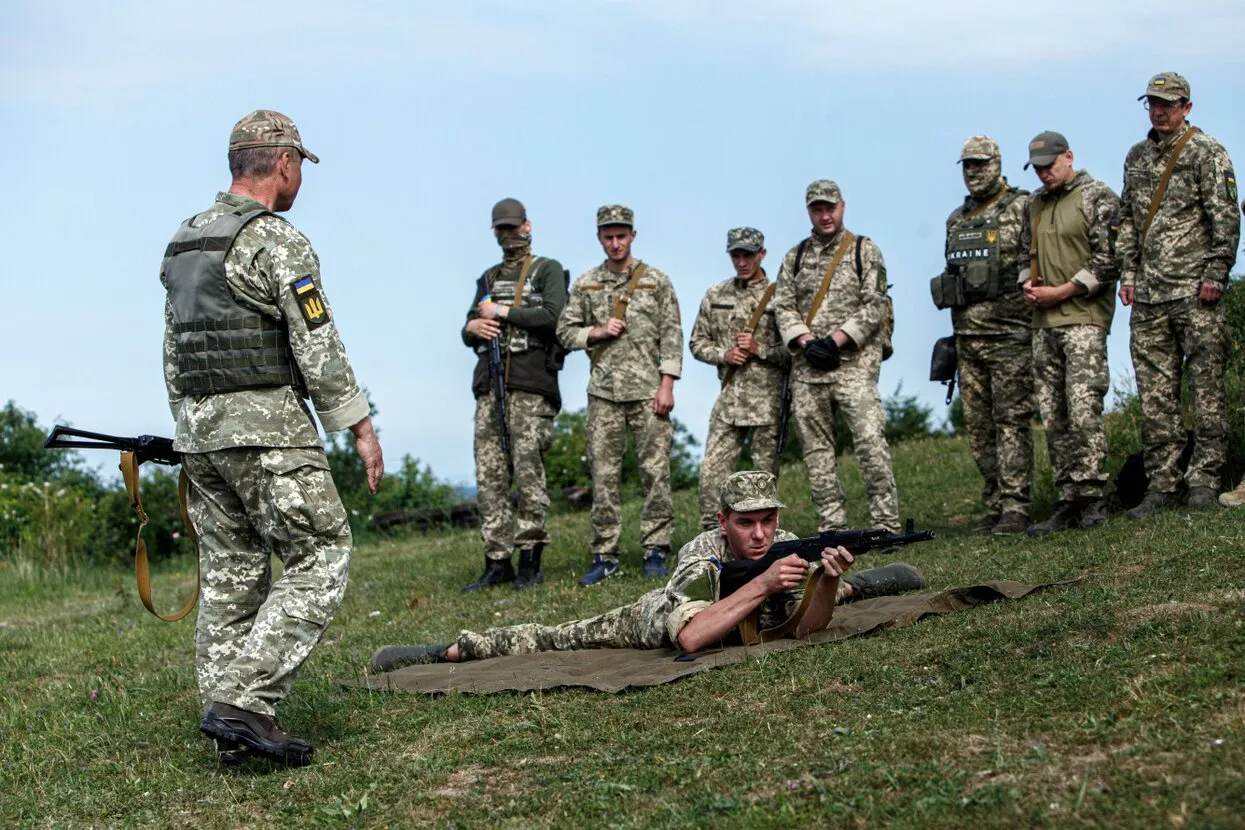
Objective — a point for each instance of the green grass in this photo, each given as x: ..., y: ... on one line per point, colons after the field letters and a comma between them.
x: 1113, y: 702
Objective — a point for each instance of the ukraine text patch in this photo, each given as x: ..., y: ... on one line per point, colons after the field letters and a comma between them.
x: 310, y: 303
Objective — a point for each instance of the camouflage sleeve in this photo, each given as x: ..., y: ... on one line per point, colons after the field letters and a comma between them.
x: 702, y: 345
x: 550, y: 283
x: 472, y: 313
x: 573, y: 323
x: 864, y: 324
x: 786, y: 313
x: 1011, y: 221
x: 170, y: 360
x: 1024, y: 241
x: 1102, y: 209
x: 287, y: 262
x: 670, y: 332
x: 1127, y: 248
x: 1217, y: 185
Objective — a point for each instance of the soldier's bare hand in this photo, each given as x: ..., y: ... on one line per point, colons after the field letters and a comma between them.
x: 785, y: 574
x: 1127, y: 292
x: 747, y: 343
x: 613, y: 328
x: 836, y: 561
x: 1208, y: 294
x: 483, y: 329
x: 367, y: 445
x: 736, y: 357
x: 663, y: 401
x: 487, y: 309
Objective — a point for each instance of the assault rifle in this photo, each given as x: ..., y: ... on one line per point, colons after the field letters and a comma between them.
x: 496, y: 375
x: 739, y: 572
x: 784, y: 412
x: 145, y: 447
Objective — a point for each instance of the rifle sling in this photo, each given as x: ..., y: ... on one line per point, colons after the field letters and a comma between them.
x: 839, y: 253
x: 620, y: 305
x: 748, y: 625
x: 518, y: 301
x: 753, y: 322
x: 1161, y: 191
x: 142, y: 573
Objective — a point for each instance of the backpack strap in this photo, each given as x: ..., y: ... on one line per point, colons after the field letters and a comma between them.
x: 839, y: 253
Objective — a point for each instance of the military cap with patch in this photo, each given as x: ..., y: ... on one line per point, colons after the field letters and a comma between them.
x: 266, y: 128
x: 823, y: 190
x: 750, y: 490
x: 744, y: 239
x: 1045, y: 148
x: 615, y: 215
x: 1168, y: 86
x: 980, y: 148
x: 509, y: 213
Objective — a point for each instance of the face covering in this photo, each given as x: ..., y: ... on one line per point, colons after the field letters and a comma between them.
x: 514, y: 244
x: 985, y: 181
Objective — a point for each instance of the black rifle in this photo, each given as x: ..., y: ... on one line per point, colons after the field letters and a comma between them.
x: 496, y: 375
x: 739, y: 572
x: 145, y: 447
x: 784, y: 412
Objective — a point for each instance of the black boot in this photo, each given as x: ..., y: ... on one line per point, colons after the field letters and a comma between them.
x: 529, y: 567
x: 496, y: 571
x: 259, y: 733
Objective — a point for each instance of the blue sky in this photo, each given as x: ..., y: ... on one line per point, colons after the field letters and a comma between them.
x: 699, y: 115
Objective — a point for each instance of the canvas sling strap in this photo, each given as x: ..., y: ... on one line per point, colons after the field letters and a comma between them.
x: 620, y: 305
x: 1161, y: 190
x: 748, y: 625
x: 753, y: 322
x: 839, y: 253
x: 518, y: 301
x: 129, y: 472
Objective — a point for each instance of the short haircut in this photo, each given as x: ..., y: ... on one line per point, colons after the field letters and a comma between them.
x: 256, y: 162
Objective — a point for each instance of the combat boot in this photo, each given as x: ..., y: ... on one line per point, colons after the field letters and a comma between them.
x: 1153, y: 502
x: 1012, y: 522
x: 655, y: 563
x: 529, y: 567
x: 884, y: 582
x: 1234, y: 498
x: 1201, y: 497
x: 601, y: 570
x: 257, y: 732
x: 986, y: 525
x: 496, y: 571
x: 1093, y: 514
x: 388, y: 658
x: 1067, y: 514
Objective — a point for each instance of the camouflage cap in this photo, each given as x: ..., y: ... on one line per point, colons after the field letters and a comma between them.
x: 615, y: 215
x: 266, y: 128
x: 1168, y: 86
x: 744, y: 239
x: 980, y: 148
x: 509, y: 213
x: 823, y: 190
x: 1045, y: 148
x: 750, y: 490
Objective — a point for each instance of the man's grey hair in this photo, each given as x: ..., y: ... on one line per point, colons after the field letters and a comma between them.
x: 256, y: 162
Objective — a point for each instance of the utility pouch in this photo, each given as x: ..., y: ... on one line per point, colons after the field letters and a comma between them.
x: 946, y: 291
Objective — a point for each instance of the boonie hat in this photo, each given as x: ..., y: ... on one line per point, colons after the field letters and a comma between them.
x: 1168, y: 86
x: 744, y: 239
x: 750, y: 490
x: 615, y: 215
x: 823, y: 190
x: 980, y: 148
x: 267, y: 128
x: 509, y: 213
x: 1045, y: 148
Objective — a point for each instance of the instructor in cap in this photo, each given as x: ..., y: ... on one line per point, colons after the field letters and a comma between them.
x: 249, y: 338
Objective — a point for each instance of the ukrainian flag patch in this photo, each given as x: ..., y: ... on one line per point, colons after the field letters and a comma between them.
x: 1230, y: 181
x: 310, y: 303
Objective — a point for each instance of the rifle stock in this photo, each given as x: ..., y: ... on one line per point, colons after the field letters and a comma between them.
x: 784, y: 414
x: 145, y: 447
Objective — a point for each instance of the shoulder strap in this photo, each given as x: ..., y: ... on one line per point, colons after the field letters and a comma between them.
x: 748, y: 626
x: 839, y: 253
x: 129, y: 473
x: 624, y: 299
x: 753, y: 322
x: 860, y: 267
x: 1161, y: 190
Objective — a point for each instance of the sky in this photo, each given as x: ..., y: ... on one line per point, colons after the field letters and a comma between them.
x: 701, y: 116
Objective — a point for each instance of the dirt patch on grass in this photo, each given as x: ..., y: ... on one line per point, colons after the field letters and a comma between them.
x: 1234, y: 595
x: 1165, y: 611
x: 480, y: 782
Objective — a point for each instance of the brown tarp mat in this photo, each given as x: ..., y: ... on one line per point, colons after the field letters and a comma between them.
x: 616, y: 669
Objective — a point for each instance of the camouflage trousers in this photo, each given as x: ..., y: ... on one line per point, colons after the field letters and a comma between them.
x: 854, y: 391
x: 1072, y: 378
x: 1166, y: 336
x: 246, y: 504
x: 608, y: 422
x: 529, y: 420
x: 996, y: 388
x: 640, y: 624
x: 722, y: 448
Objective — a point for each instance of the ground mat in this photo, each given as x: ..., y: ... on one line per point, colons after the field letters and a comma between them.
x: 616, y: 670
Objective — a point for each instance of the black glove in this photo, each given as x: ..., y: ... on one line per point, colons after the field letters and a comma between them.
x: 822, y: 354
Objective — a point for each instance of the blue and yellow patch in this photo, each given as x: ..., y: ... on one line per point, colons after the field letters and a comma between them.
x: 310, y: 303
x: 1230, y: 181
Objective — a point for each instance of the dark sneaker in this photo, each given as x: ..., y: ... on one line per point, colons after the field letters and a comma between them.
x: 1201, y: 497
x: 257, y: 732
x: 986, y: 525
x: 601, y: 570
x: 529, y: 568
x: 655, y: 563
x: 388, y: 658
x: 1067, y: 514
x: 1093, y: 514
x: 885, y: 582
x: 1153, y: 502
x: 1012, y: 522
x: 496, y: 571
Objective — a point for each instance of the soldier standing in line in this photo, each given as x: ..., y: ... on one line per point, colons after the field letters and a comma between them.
x: 749, y: 361
x: 625, y: 313
x: 249, y: 336
x: 1235, y: 498
x: 1179, y: 231
x: 526, y: 293
x: 1069, y: 230
x: 830, y: 311
x: 993, y: 338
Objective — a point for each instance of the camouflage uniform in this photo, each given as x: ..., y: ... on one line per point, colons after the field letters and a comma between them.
x: 855, y: 303
x: 260, y: 482
x: 993, y: 344
x: 625, y: 377
x: 750, y: 400
x: 1074, y: 242
x: 1191, y: 242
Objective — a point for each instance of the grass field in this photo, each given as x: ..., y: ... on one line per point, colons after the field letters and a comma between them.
x: 1117, y: 701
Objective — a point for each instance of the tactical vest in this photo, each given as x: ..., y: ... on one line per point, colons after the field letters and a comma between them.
x: 221, y: 346
x: 974, y: 271
x: 514, y: 339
